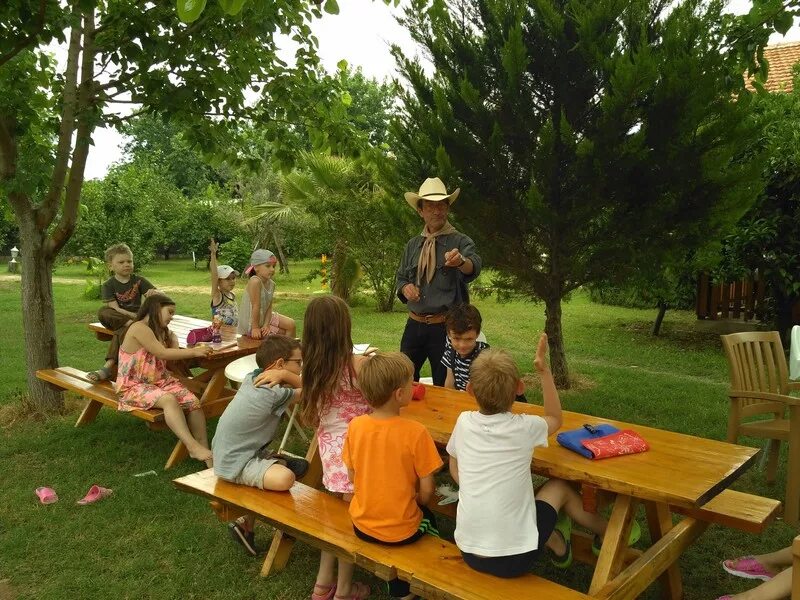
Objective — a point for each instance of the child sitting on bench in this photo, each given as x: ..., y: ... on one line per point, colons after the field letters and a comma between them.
x: 249, y: 423
x: 490, y: 459
x: 391, y: 462
x: 145, y: 383
x: 122, y: 296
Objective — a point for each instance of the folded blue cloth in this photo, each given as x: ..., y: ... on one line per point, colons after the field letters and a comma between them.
x: 572, y: 439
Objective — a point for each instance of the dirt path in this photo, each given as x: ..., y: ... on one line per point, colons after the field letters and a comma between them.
x: 184, y: 289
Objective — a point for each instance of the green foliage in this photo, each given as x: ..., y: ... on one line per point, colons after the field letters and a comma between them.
x: 590, y: 139
x: 236, y: 253
x: 162, y: 147
x: 767, y: 238
x: 97, y: 271
x: 136, y: 205
x: 24, y: 82
x: 365, y: 223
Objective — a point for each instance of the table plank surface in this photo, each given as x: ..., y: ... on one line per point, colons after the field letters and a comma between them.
x: 181, y: 325
x: 680, y: 470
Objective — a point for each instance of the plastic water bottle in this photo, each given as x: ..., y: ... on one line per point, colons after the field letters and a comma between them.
x: 216, y: 336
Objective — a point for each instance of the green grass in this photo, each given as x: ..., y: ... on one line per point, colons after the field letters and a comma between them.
x: 150, y: 541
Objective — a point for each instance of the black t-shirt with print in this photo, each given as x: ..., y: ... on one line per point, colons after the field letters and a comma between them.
x: 128, y: 295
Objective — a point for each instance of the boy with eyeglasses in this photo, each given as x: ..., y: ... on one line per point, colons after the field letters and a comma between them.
x: 249, y: 424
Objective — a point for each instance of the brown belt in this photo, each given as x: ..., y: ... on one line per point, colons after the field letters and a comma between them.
x: 434, y: 319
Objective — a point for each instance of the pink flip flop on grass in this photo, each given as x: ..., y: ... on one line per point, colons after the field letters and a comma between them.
x: 46, y: 495
x: 94, y: 494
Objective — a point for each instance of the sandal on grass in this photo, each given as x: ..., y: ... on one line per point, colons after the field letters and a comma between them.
x: 747, y: 567
x: 46, y: 495
x: 101, y: 374
x: 94, y: 494
x: 635, y: 535
x: 564, y: 527
x: 328, y: 594
x: 358, y: 591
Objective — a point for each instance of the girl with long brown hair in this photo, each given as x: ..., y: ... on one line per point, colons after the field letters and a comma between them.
x: 330, y: 400
x: 143, y: 381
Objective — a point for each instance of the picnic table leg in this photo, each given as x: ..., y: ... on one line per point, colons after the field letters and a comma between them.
x: 89, y: 413
x: 278, y: 554
x: 216, y: 383
x: 663, y: 554
x: 282, y: 543
x: 659, y: 522
x: 615, y: 543
x: 791, y: 508
x: 214, y: 388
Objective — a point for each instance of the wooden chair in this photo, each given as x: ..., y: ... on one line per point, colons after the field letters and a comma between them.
x: 759, y: 386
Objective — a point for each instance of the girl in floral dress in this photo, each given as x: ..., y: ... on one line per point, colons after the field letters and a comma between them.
x: 143, y: 381
x: 330, y: 400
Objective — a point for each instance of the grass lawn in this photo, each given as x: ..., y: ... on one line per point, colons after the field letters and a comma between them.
x: 150, y: 541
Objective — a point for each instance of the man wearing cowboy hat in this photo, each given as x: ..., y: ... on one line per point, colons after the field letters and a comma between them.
x: 437, y: 265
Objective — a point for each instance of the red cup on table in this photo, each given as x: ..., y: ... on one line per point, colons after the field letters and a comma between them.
x: 419, y: 391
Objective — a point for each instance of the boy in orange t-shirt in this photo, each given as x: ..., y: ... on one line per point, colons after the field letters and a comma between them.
x: 391, y: 461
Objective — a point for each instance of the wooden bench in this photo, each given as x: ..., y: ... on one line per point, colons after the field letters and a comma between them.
x: 433, y: 567
x: 730, y: 508
x: 103, y: 394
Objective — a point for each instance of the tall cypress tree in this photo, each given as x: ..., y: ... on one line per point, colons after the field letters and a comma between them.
x: 590, y: 137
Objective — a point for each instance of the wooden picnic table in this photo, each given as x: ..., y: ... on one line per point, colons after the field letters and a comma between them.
x: 680, y: 472
x: 212, y: 377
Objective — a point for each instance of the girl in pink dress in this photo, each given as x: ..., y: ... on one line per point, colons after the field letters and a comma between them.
x: 330, y: 400
x: 143, y: 381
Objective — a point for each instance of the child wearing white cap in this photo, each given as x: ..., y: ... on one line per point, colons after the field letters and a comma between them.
x: 223, y: 280
x: 258, y: 320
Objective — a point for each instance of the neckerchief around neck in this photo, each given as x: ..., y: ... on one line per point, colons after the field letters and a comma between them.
x: 426, y: 266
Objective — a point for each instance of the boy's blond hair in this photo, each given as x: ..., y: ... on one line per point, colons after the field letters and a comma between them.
x: 494, y: 377
x: 112, y: 251
x: 382, y: 374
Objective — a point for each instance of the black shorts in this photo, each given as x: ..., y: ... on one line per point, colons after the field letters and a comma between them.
x: 515, y: 565
x: 397, y: 588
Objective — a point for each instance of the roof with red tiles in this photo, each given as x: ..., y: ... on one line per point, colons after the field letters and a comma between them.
x: 781, y: 57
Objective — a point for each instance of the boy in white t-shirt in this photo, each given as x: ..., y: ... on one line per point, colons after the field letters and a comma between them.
x: 500, y: 527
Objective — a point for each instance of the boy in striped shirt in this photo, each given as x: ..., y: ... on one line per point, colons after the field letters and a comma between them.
x: 463, y: 325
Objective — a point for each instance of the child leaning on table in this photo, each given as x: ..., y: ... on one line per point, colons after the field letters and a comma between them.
x: 144, y: 382
x: 122, y: 297
x: 223, y: 280
x: 249, y: 423
x: 490, y: 458
x: 463, y: 326
x: 391, y: 462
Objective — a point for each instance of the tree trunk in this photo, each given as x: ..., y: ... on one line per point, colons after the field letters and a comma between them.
x: 279, y: 251
x: 662, y: 308
x: 339, y: 284
x: 555, y: 340
x: 38, y: 315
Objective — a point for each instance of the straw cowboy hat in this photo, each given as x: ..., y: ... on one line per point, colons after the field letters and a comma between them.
x: 431, y: 189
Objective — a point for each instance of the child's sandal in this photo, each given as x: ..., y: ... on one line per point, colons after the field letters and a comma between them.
x: 634, y: 536
x: 330, y: 592
x: 564, y: 527
x: 747, y: 567
x: 358, y: 591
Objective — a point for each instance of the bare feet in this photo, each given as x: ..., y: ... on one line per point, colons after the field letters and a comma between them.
x: 201, y: 453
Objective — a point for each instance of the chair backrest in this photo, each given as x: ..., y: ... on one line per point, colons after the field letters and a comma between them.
x: 757, y: 361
